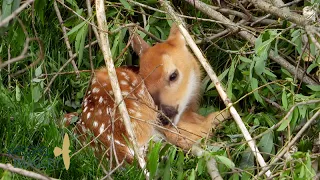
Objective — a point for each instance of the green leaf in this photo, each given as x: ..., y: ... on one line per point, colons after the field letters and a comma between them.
x: 269, y: 73
x: 259, y: 65
x: 74, y: 119
x: 226, y: 161
x: 36, y: 94
x: 153, y: 159
x: 244, y: 59
x: 314, y: 87
x: 284, y: 99
x: 126, y: 5
x: 192, y: 175
x: 18, y: 92
x: 311, y: 67
x: 76, y: 28
x: 247, y: 159
x: 38, y: 71
x: 266, y: 143
x: 285, y: 123
x: 254, y: 85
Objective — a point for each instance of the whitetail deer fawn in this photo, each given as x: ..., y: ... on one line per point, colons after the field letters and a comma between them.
x: 170, y: 73
x: 172, y: 76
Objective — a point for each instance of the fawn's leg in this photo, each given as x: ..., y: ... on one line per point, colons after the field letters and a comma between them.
x: 192, y: 127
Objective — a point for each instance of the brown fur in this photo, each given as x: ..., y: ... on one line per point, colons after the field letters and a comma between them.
x: 104, y: 114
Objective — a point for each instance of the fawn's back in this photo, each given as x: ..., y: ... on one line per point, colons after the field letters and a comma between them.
x: 101, y: 117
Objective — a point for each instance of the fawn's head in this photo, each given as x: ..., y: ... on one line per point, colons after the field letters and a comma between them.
x: 170, y: 72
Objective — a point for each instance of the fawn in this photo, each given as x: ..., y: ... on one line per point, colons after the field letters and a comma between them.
x: 170, y: 73
x: 172, y: 76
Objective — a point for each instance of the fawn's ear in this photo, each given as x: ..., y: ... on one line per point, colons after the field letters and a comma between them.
x: 138, y: 44
x: 175, y: 37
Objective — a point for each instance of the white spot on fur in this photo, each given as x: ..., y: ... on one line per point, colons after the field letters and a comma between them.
x: 91, y: 109
x: 94, y: 80
x: 104, y: 84
x: 123, y: 73
x: 85, y: 109
x: 85, y: 102
x: 100, y: 99
x: 95, y: 124
x: 95, y: 90
x: 83, y: 129
x: 125, y: 93
x: 101, y: 128
x: 88, y: 115
x: 108, y: 137
x: 123, y: 82
x: 135, y: 82
x: 89, y: 92
x: 100, y: 112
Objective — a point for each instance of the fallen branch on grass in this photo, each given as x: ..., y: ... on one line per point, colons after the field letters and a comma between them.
x: 25, y: 173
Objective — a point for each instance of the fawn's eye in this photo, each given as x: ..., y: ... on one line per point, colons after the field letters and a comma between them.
x: 174, y: 76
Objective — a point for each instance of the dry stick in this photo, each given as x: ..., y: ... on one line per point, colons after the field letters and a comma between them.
x: 290, y: 16
x: 23, y: 172
x: 65, y: 37
x: 15, y: 13
x: 90, y: 14
x: 249, y: 37
x: 102, y: 24
x: 218, y: 85
x: 292, y: 142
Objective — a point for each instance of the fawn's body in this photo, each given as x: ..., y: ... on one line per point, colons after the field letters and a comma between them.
x: 170, y: 73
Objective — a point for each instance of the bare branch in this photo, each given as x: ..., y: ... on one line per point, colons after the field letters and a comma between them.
x: 65, y: 37
x: 15, y: 13
x: 23, y: 172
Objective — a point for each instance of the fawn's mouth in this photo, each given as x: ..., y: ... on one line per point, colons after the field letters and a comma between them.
x: 168, y: 112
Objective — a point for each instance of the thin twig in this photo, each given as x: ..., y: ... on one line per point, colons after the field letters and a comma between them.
x: 65, y: 37
x: 15, y: 13
x: 218, y: 86
x: 23, y: 172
